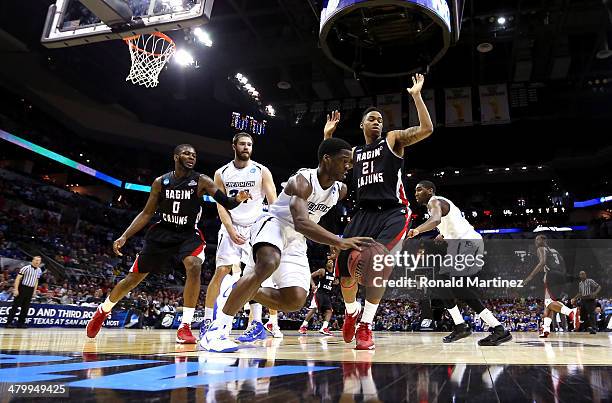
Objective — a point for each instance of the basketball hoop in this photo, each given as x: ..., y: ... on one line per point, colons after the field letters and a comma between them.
x: 149, y: 53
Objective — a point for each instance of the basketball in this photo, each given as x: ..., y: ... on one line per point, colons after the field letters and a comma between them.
x: 361, y: 264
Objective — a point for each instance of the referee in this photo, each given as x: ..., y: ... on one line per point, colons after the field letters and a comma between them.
x: 25, y: 285
x: 587, y: 292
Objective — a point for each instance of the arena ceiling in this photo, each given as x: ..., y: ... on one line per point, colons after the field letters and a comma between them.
x: 549, y: 45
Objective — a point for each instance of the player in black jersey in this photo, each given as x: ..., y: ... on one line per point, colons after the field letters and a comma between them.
x: 383, y: 211
x: 551, y: 263
x: 322, y: 297
x: 177, y: 197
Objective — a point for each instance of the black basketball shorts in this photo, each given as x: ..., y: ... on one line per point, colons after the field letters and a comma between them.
x: 323, y: 301
x: 163, y: 245
x: 555, y: 286
x: 387, y: 226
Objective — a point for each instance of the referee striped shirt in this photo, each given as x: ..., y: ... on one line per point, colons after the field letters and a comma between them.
x: 587, y: 287
x: 30, y: 275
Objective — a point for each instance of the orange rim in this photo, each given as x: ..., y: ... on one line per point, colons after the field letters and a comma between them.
x: 161, y: 35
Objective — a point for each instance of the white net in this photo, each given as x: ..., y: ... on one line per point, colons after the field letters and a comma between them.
x: 149, y: 53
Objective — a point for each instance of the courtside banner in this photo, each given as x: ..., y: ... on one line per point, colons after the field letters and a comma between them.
x: 69, y: 316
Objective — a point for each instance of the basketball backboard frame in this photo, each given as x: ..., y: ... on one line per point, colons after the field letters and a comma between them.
x: 56, y: 34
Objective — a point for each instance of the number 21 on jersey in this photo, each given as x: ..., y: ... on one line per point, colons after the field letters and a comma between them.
x: 368, y: 167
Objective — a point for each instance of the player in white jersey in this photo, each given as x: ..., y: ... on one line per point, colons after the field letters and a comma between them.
x: 241, y: 173
x: 278, y: 241
x: 463, y: 241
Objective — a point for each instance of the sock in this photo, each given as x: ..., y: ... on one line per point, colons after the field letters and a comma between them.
x: 225, y: 289
x: 547, y: 322
x: 187, y: 315
x: 489, y: 318
x: 352, y: 307
x: 223, y: 322
x: 456, y: 315
x: 108, y: 305
x: 305, y: 323
x: 273, y: 319
x: 208, y: 313
x: 256, y: 312
x: 565, y: 310
x: 325, y: 325
x: 368, y: 312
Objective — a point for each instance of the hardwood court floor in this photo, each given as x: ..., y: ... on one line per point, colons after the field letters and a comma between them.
x: 148, y: 365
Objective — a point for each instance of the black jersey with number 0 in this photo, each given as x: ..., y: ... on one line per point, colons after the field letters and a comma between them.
x: 554, y: 260
x: 377, y: 174
x: 179, y: 204
x: 326, y: 283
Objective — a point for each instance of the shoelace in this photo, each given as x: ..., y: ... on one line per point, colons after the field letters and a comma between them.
x: 250, y: 331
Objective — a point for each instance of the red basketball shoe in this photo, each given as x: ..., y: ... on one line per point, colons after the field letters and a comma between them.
x: 364, y: 337
x: 348, y: 327
x: 184, y: 335
x: 325, y: 331
x: 95, y: 323
x: 574, y: 316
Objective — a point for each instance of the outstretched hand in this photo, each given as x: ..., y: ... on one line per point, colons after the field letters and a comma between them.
x: 355, y: 243
x: 417, y: 84
x: 332, y: 123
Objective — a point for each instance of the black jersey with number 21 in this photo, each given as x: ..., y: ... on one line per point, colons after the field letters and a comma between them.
x: 377, y: 174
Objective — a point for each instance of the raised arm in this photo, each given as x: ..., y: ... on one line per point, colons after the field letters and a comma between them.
x: 300, y: 189
x: 434, y: 207
x: 142, y: 219
x: 206, y: 185
x: 398, y: 139
x: 331, y: 124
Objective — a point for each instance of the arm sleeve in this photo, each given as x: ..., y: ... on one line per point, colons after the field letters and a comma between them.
x: 227, y: 202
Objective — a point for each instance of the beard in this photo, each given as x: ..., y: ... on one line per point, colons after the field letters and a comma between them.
x: 243, y: 156
x: 184, y: 165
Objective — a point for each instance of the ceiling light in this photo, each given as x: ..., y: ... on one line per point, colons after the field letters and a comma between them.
x: 501, y: 20
x: 183, y: 58
x: 203, y: 37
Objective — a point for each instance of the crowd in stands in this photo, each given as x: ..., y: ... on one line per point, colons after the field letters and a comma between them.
x: 74, y: 234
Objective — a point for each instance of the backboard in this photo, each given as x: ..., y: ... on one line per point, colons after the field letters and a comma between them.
x: 77, y: 22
